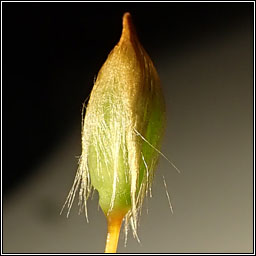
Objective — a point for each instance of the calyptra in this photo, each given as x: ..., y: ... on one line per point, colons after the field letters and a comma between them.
x: 122, y: 131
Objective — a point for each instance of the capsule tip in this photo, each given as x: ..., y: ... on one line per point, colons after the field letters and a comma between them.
x: 128, y: 27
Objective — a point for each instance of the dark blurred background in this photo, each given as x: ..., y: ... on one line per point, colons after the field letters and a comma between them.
x: 52, y: 53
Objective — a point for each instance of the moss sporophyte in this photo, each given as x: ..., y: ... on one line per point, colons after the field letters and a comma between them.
x: 121, y: 135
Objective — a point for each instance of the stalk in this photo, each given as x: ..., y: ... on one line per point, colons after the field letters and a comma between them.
x: 114, y: 226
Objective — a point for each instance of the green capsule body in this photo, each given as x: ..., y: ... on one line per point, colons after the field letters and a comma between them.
x: 123, y: 126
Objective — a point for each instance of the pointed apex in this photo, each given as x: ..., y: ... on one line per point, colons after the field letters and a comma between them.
x: 128, y: 28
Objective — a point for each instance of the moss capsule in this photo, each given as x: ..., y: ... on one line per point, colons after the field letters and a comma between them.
x: 121, y: 133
